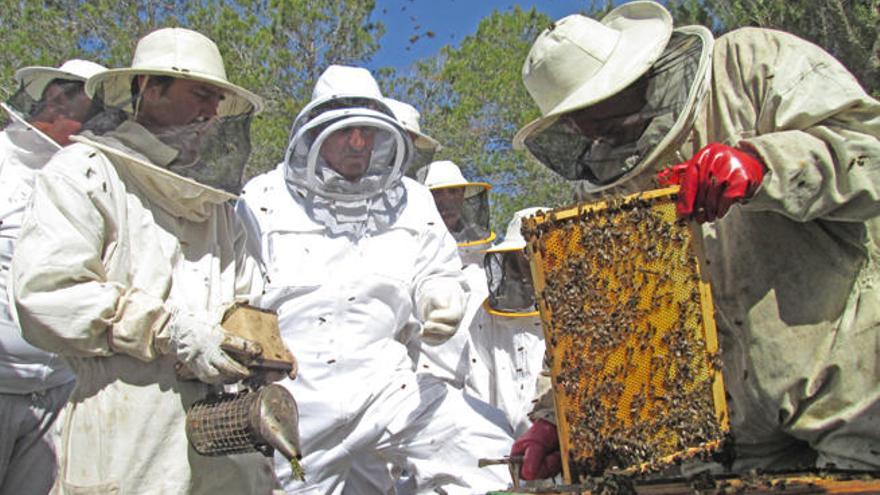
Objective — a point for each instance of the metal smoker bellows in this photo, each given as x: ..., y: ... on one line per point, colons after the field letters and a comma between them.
x: 260, y: 418
x: 630, y: 332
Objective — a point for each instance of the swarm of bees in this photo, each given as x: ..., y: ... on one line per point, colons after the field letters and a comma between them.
x: 630, y: 335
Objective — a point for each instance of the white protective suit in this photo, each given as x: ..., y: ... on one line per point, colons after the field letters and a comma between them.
x: 34, y: 384
x: 794, y: 270
x: 345, y: 306
x: 508, y: 342
x: 511, y: 347
x: 108, y: 246
x: 347, y: 289
x: 455, y: 360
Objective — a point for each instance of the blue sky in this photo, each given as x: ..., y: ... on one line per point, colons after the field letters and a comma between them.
x: 449, y: 20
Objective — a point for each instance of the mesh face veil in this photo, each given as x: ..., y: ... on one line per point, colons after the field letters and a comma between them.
x: 421, y: 156
x: 57, y: 109
x: 58, y: 101
x: 320, y: 147
x: 463, y: 205
x: 510, y: 282
x: 212, y: 151
x: 465, y: 210
x: 603, y: 151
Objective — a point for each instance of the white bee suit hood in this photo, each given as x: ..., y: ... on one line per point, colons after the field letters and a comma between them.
x: 345, y: 98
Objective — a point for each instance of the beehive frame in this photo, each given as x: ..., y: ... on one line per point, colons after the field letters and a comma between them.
x: 630, y: 332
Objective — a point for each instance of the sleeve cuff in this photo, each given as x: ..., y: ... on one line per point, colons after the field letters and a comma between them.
x: 135, y: 330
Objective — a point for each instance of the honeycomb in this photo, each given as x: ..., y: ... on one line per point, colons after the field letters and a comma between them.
x: 630, y: 335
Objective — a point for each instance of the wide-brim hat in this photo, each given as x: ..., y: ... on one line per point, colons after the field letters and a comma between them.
x: 513, y: 238
x: 35, y: 78
x: 578, y: 61
x: 179, y: 53
x: 444, y: 174
x: 409, y: 117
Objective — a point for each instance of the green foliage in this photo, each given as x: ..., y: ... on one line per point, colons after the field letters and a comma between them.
x: 473, y: 101
x: 33, y: 33
x: 689, y: 12
x: 470, y: 95
x: 845, y: 28
x: 278, y: 48
x: 275, y: 48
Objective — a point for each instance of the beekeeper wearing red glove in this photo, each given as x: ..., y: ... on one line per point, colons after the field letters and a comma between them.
x: 775, y: 147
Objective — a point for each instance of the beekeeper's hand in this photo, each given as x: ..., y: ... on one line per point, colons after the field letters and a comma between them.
x: 539, y: 447
x: 713, y: 180
x: 441, y: 308
x: 205, y: 348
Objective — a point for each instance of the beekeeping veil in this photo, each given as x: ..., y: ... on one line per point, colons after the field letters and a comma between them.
x: 346, y: 99
x: 467, y: 218
x: 32, y: 101
x: 511, y: 292
x: 631, y: 60
x: 210, y: 152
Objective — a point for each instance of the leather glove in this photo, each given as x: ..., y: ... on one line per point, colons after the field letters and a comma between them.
x: 713, y: 180
x: 441, y: 308
x: 539, y: 447
x: 206, y: 349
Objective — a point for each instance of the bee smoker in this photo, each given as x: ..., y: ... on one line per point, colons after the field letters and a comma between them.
x: 260, y: 418
x: 248, y: 421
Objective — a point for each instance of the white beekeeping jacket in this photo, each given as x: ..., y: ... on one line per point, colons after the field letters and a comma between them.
x: 23, y: 368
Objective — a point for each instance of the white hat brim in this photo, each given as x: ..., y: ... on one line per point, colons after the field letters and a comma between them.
x: 39, y: 77
x: 117, y: 88
x: 470, y: 188
x: 645, y: 29
x: 425, y: 141
x: 506, y: 246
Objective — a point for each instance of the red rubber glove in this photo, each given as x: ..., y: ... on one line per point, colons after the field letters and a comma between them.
x: 60, y: 129
x: 713, y: 180
x: 539, y: 447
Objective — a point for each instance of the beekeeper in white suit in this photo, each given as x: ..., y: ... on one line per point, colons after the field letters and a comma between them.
x: 127, y: 257
x: 507, y: 333
x: 776, y: 148
x: 34, y: 384
x: 357, y: 261
x: 464, y: 207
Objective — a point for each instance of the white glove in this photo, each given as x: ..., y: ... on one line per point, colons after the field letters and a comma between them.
x: 202, y: 348
x: 441, y: 308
